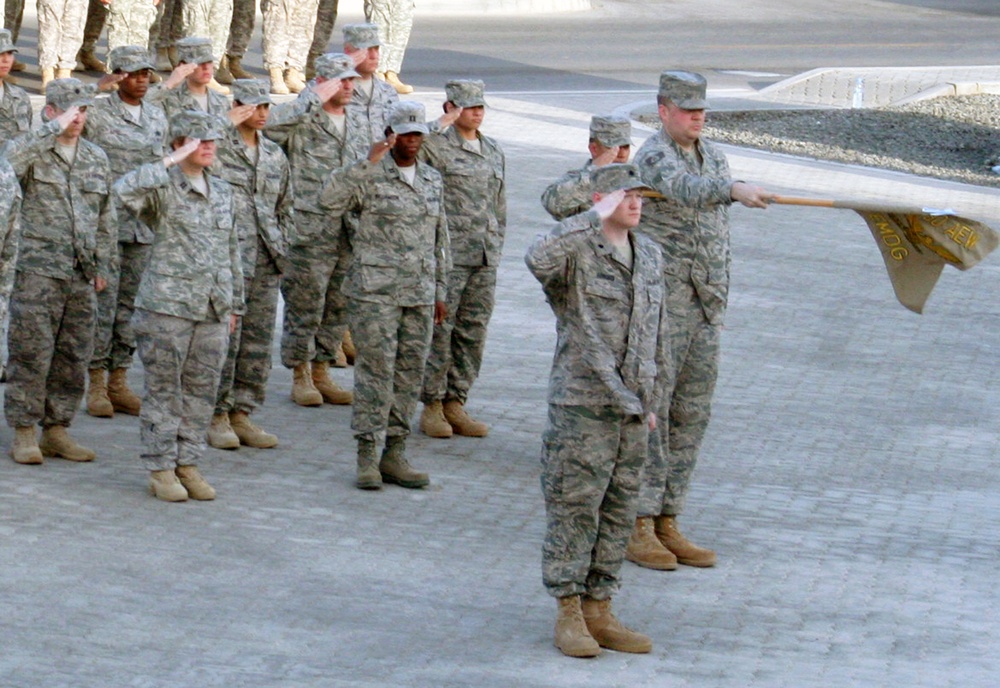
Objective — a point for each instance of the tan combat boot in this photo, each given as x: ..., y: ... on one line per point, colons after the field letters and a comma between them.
x: 236, y: 68
x: 294, y: 80
x: 687, y: 553
x: 572, y: 637
x: 98, y: 404
x: 25, y: 449
x: 57, y: 442
x: 222, y: 74
x: 396, y: 469
x: 64, y: 73
x: 217, y: 87
x: 220, y: 433
x: 347, y: 346
x: 121, y: 397
x: 250, y: 434
x: 645, y: 550
x: 48, y: 74
x: 461, y: 422
x: 194, y: 483
x: 164, y: 485
x: 608, y: 631
x: 392, y: 79
x: 304, y: 392
x: 369, y: 476
x: 432, y: 421
x: 278, y: 86
x: 90, y: 61
x: 332, y: 393
x: 339, y: 357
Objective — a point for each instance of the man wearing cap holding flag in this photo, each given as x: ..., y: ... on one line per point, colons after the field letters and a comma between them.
x: 604, y: 283
x: 189, y: 300
x: 396, y: 287
x: 610, y: 141
x: 691, y: 224
x: 132, y: 132
x: 257, y: 171
x: 67, y: 251
x: 473, y: 168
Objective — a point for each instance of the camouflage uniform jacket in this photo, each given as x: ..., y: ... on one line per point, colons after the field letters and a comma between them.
x: 179, y: 99
x: 475, y: 198
x: 400, y: 241
x: 15, y: 112
x: 128, y: 142
x: 315, y: 149
x: 67, y: 214
x: 10, y: 204
x: 611, y: 322
x: 570, y: 194
x: 375, y: 107
x: 194, y: 264
x: 691, y: 222
x: 262, y: 196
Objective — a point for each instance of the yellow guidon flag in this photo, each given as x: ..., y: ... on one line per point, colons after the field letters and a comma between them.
x: 916, y: 243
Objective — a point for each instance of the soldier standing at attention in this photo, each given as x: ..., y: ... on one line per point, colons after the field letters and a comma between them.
x: 210, y: 18
x: 604, y: 283
x: 131, y: 132
x: 472, y: 166
x: 691, y: 224
x: 67, y: 251
x: 610, y: 141
x: 396, y: 288
x: 129, y: 23
x: 288, y: 27
x: 257, y: 171
x: 320, y: 132
x: 395, y: 20
x: 325, y: 17
x: 60, y: 35
x: 188, y: 301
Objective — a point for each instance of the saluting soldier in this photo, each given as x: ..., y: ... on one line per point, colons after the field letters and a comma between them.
x: 372, y: 96
x: 189, y: 86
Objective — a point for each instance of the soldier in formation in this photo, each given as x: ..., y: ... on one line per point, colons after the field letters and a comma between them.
x: 189, y: 86
x: 395, y: 20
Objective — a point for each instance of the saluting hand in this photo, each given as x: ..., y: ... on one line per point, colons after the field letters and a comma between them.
x: 607, y: 157
x: 380, y: 148
x: 326, y: 89
x: 109, y: 81
x: 608, y: 203
x: 359, y: 55
x: 451, y: 113
x: 238, y: 114
x: 66, y: 118
x: 189, y: 146
x: 180, y: 73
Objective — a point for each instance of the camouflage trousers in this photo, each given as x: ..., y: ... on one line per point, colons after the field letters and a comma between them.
x: 326, y: 17
x: 208, y: 19
x: 50, y: 340
x: 248, y: 363
x: 60, y: 32
x: 182, y: 360
x: 13, y: 15
x: 6, y: 287
x: 114, y: 340
x: 97, y: 17
x: 457, y: 348
x: 673, y: 448
x: 394, y: 19
x: 288, y: 32
x: 591, y: 463
x: 241, y: 26
x: 166, y: 30
x: 129, y: 23
x: 392, y: 344
x: 315, y: 309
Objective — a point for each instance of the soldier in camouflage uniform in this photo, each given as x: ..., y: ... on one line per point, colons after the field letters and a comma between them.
x: 396, y: 286
x: 188, y: 301
x: 326, y: 17
x: 319, y: 136
x: 210, y: 18
x: 60, y: 35
x: 288, y: 33
x: 257, y: 170
x: 129, y: 23
x: 10, y: 206
x: 395, y: 20
x: 164, y: 34
x: 691, y: 224
x: 66, y: 253
x: 604, y: 283
x: 610, y: 141
x: 131, y: 132
x: 472, y: 166
x: 240, y: 30
x: 373, y: 96
x: 97, y: 16
x: 189, y: 86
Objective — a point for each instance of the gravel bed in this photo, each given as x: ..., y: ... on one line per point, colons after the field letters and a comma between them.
x: 954, y: 137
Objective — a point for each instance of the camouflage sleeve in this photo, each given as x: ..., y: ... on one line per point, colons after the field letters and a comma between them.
x: 156, y: 94
x: 22, y: 151
x: 501, y: 199
x: 107, y: 234
x: 430, y: 151
x: 139, y: 190
x: 442, y: 251
x: 568, y: 195
x: 340, y: 192
x: 548, y: 254
x: 283, y: 119
x: 236, y: 265
x: 663, y: 171
x: 286, y: 206
x: 10, y: 202
x: 664, y: 355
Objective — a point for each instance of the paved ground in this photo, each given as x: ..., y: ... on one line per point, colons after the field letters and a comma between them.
x: 847, y: 483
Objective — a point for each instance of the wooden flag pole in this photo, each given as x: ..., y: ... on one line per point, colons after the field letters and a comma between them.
x: 814, y: 202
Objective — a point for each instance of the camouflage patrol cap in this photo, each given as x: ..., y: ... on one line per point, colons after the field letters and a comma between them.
x: 195, y: 124
x: 7, y: 42
x: 465, y: 92
x: 407, y: 117
x: 611, y: 130
x: 686, y: 90
x: 623, y: 175
x: 63, y: 94
x: 194, y: 50
x: 129, y: 58
x: 251, y: 92
x: 335, y: 66
x: 361, y: 36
